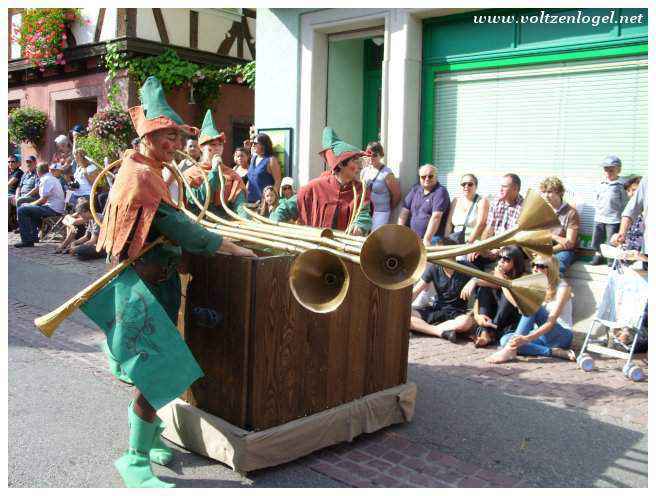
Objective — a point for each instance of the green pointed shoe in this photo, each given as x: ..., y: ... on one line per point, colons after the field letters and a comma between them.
x: 134, y: 465
x: 160, y: 453
x: 115, y: 366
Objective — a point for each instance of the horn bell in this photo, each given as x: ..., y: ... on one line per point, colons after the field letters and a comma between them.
x: 536, y: 213
x: 319, y: 280
x: 536, y: 241
x: 529, y: 292
x: 393, y: 257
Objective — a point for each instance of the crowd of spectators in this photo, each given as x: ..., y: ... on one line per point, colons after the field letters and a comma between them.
x: 447, y: 303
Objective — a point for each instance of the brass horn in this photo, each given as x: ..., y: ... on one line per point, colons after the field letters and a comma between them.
x: 393, y: 257
x: 536, y: 214
x: 536, y: 241
x: 319, y: 280
x: 528, y: 291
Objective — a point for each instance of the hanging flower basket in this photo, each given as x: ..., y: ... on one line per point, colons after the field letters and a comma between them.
x: 42, y: 35
x: 27, y: 125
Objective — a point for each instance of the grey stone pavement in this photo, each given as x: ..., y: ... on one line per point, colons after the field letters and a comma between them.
x: 531, y: 423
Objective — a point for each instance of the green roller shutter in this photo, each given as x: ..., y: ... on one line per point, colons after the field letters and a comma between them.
x: 536, y: 121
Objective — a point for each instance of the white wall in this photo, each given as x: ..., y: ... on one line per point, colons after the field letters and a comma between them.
x: 84, y: 31
x: 108, y: 31
x: 146, y: 25
x: 277, y: 72
x: 345, y: 89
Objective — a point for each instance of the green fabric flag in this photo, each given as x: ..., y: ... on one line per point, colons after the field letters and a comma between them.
x: 142, y: 338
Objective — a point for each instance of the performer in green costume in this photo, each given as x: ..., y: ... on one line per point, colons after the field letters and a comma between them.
x: 138, y: 309
x: 211, y: 143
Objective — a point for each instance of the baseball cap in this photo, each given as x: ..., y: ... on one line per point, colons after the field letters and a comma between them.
x: 611, y: 160
x: 56, y: 166
x: 31, y: 158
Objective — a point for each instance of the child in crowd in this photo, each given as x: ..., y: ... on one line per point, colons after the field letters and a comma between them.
x: 610, y: 200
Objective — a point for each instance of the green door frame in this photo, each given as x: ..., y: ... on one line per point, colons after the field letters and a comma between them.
x: 429, y: 72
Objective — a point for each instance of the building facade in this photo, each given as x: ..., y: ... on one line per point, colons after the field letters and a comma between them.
x: 538, y: 92
x: 72, y: 93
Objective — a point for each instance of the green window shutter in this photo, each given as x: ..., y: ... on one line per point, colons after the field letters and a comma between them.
x: 538, y: 121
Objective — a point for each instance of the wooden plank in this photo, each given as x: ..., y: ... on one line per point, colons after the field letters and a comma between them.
x: 222, y: 284
x: 375, y: 345
x: 161, y: 26
x: 338, y: 347
x: 395, y: 362
x: 359, y: 293
x: 99, y: 24
x: 193, y: 29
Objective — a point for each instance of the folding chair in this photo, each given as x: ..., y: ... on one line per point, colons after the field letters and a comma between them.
x: 51, y: 227
x: 623, y: 305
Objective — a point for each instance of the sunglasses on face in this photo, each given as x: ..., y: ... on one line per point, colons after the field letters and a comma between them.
x: 539, y: 266
x: 429, y: 176
x: 12, y: 161
x: 504, y: 258
x: 471, y: 185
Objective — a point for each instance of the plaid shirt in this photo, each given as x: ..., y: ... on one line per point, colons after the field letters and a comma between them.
x: 503, y: 216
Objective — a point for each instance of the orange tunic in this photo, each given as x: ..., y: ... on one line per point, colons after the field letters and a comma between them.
x: 133, y: 200
x: 233, y: 182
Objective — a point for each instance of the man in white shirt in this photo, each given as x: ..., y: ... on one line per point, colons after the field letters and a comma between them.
x: 50, y: 203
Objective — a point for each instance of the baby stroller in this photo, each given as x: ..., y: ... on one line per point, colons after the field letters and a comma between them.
x: 624, y: 304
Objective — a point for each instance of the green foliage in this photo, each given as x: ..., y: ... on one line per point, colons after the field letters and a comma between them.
x: 27, y: 124
x: 98, y: 148
x: 173, y: 72
x: 115, y: 61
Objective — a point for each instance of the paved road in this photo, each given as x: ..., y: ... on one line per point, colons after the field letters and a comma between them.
x: 67, y: 420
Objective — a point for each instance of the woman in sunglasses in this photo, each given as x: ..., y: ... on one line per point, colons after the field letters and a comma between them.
x: 548, y: 332
x: 468, y: 212
x: 494, y: 314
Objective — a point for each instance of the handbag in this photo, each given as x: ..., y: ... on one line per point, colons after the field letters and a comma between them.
x: 459, y: 236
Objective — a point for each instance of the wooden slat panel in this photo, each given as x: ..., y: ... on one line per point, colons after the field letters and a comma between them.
x: 359, y: 293
x: 221, y: 283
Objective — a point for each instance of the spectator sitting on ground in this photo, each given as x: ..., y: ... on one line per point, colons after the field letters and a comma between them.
x: 468, y: 213
x: 85, y: 173
x: 448, y: 315
x: 503, y: 216
x: 241, y: 159
x: 565, y: 237
x: 192, y: 149
x: 50, y: 203
x: 84, y: 248
x: 426, y: 206
x: 610, y: 200
x: 28, y: 187
x: 494, y: 313
x: 548, y: 332
x: 75, y: 225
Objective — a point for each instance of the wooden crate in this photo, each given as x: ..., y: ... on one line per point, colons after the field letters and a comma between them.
x: 271, y: 360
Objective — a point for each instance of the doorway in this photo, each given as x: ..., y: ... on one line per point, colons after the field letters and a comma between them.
x: 79, y: 112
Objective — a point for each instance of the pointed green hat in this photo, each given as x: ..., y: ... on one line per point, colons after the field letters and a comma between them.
x: 155, y: 113
x: 335, y: 150
x: 208, y: 131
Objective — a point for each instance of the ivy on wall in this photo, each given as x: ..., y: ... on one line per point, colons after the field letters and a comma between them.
x: 174, y: 72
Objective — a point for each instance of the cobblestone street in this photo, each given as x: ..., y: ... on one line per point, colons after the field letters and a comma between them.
x: 394, y: 457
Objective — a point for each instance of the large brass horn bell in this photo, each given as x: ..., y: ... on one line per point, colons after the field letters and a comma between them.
x: 393, y: 257
x: 319, y: 280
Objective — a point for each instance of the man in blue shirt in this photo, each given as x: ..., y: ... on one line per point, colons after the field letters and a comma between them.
x: 426, y: 206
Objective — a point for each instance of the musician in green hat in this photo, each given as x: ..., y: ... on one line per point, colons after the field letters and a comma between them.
x: 211, y: 142
x: 138, y: 309
x: 328, y: 200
